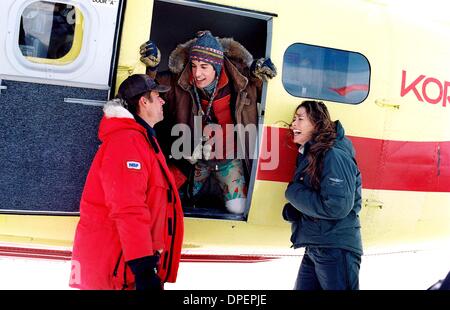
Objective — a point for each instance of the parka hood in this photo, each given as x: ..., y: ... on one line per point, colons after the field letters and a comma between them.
x: 342, y: 142
x: 233, y: 50
x: 116, y: 118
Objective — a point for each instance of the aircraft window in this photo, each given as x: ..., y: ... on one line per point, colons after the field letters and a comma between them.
x: 51, y: 33
x: 324, y: 73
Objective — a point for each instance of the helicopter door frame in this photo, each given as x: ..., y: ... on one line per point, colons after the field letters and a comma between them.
x: 176, y: 22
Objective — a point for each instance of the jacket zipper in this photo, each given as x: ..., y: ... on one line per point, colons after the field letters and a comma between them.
x: 116, y: 268
x: 125, y: 284
x: 169, y: 195
x: 172, y: 242
x: 172, y: 227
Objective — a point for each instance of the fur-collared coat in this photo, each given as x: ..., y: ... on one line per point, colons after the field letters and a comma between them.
x: 129, y: 208
x: 180, y: 106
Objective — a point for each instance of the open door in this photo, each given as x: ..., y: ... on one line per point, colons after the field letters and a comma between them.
x: 56, y: 65
x: 176, y: 22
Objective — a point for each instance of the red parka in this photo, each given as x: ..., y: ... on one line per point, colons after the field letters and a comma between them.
x: 129, y: 208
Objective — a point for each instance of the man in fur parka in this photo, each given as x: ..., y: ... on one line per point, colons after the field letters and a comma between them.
x: 214, y: 83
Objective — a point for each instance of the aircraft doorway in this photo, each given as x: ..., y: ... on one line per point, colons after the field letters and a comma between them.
x: 176, y: 22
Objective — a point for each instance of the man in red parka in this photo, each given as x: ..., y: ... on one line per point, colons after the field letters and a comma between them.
x: 131, y: 222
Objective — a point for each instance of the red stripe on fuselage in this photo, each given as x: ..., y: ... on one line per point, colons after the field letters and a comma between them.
x: 384, y: 164
x: 36, y: 253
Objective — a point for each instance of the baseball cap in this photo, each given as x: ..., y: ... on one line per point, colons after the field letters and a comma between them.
x: 138, y: 84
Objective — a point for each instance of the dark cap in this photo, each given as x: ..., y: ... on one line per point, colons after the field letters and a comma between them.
x: 138, y: 84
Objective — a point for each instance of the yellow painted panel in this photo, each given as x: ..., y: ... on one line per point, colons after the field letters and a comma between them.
x: 38, y: 230
x: 404, y: 217
x: 136, y: 30
x: 205, y: 233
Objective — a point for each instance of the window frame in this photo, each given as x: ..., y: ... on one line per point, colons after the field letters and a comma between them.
x: 77, y: 42
x: 44, y: 68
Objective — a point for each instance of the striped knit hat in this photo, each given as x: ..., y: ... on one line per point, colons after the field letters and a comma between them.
x: 207, y: 49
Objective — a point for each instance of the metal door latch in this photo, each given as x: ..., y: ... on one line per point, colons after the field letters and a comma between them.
x: 2, y: 87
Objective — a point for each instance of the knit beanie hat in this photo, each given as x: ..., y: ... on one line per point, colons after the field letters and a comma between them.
x: 207, y: 49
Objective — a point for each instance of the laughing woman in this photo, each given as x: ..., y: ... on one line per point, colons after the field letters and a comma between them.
x: 324, y: 201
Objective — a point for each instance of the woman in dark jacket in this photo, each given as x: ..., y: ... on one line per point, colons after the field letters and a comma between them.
x: 324, y: 201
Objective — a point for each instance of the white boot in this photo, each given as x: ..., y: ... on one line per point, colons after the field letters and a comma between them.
x: 236, y: 206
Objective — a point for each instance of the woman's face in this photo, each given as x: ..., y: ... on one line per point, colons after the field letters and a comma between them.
x: 302, y: 127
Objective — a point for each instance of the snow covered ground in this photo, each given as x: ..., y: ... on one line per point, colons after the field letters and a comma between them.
x: 389, y: 271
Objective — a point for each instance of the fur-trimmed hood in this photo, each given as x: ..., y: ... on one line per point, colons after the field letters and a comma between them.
x: 115, y: 108
x: 117, y: 119
x: 233, y: 50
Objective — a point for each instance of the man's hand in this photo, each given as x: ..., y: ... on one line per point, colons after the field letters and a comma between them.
x: 207, y: 148
x: 150, y: 55
x: 200, y: 151
x: 196, y: 154
x: 145, y: 273
x: 263, y: 69
x: 290, y: 213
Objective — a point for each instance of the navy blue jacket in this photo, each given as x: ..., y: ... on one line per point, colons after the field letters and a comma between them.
x: 328, y: 217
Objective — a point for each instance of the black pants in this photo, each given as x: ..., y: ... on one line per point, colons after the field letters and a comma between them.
x: 328, y: 269
x: 446, y: 283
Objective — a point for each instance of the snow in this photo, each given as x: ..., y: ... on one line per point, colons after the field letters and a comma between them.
x: 409, y: 270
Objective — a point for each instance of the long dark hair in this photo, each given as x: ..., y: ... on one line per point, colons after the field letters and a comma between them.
x: 323, y: 138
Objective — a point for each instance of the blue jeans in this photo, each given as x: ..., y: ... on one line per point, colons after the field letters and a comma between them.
x: 328, y: 269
